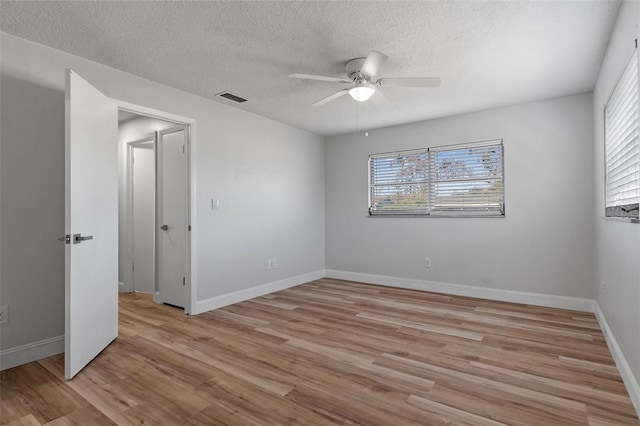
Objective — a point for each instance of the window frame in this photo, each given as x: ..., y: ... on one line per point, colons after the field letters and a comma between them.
x: 627, y: 210
x: 430, y: 200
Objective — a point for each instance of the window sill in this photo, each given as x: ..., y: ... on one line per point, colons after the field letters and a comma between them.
x: 486, y: 216
x: 622, y: 219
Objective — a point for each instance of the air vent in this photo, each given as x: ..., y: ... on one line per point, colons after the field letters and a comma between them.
x: 232, y: 97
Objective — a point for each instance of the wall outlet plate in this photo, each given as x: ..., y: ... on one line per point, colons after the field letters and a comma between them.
x: 427, y: 262
x: 274, y: 264
x: 4, y: 314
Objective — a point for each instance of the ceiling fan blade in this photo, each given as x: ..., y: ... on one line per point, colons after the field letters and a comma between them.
x: 320, y: 78
x: 381, y: 101
x: 373, y: 63
x: 330, y: 97
x: 410, y: 82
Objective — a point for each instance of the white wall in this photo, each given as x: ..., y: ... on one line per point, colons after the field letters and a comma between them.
x: 269, y: 178
x: 617, y: 258
x: 545, y: 243
x: 143, y: 227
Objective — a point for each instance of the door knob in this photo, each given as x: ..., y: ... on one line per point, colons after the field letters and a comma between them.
x: 78, y: 238
x: 165, y: 227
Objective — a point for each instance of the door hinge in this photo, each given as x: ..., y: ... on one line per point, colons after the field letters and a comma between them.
x: 133, y: 267
x: 189, y: 228
x: 66, y: 239
x: 183, y: 280
x: 183, y: 148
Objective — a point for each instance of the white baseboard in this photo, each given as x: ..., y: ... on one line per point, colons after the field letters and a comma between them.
x: 250, y: 293
x: 548, y: 300
x: 628, y: 378
x: 19, y: 355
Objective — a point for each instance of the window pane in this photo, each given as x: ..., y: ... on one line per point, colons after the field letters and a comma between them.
x: 399, y: 182
x: 468, y: 179
x: 400, y: 197
x: 622, y: 146
x: 459, y: 181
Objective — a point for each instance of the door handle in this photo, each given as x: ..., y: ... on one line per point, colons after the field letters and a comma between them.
x: 165, y: 227
x: 77, y: 238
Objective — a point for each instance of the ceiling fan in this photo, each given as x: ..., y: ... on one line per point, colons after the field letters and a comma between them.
x: 362, y: 80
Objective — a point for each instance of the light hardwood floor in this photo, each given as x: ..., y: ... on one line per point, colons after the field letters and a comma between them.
x: 330, y: 352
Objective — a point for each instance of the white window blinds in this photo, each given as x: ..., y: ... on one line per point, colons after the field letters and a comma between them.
x: 399, y: 182
x: 467, y: 180
x: 461, y: 180
x: 622, y: 147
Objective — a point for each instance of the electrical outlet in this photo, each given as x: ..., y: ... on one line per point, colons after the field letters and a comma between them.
x: 274, y: 264
x: 427, y: 262
x: 4, y: 314
x: 269, y: 264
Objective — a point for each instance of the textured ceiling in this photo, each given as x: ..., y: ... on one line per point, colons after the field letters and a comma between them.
x: 488, y: 53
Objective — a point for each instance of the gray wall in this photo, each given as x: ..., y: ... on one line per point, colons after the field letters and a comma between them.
x: 32, y: 208
x: 269, y: 178
x: 617, y: 260
x: 545, y: 243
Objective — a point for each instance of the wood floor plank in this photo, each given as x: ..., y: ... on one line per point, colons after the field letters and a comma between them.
x: 28, y: 420
x: 595, y: 375
x: 32, y: 390
x: 334, y: 352
x: 450, y: 413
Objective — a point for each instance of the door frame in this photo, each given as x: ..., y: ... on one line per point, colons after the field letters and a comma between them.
x: 190, y: 124
x: 148, y: 139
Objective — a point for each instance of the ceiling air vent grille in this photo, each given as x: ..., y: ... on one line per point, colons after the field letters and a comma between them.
x: 232, y: 97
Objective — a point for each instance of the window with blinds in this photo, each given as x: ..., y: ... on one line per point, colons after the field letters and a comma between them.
x: 622, y: 146
x: 460, y: 180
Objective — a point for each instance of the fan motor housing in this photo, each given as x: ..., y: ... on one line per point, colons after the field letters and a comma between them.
x: 353, y: 68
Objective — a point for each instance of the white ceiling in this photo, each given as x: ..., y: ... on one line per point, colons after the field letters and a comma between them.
x: 488, y: 53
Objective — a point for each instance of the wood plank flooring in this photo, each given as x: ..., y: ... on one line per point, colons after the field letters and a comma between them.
x: 334, y: 352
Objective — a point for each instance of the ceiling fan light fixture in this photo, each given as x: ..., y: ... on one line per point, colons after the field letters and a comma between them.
x: 362, y: 80
x: 361, y: 92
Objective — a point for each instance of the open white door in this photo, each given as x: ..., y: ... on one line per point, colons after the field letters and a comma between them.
x: 91, y: 223
x: 172, y: 215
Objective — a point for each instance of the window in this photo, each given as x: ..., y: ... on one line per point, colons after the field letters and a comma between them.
x: 460, y: 180
x: 622, y: 148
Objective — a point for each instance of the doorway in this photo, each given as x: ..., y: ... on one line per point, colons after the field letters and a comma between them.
x: 94, y: 192
x: 154, y: 207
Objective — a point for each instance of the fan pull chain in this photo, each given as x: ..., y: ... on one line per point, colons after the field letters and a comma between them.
x: 366, y: 132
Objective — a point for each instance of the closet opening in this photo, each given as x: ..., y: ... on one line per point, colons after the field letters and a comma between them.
x: 154, y: 224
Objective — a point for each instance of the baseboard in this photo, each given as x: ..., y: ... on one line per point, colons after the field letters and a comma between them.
x: 19, y: 355
x: 250, y: 293
x: 628, y: 378
x: 548, y: 300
